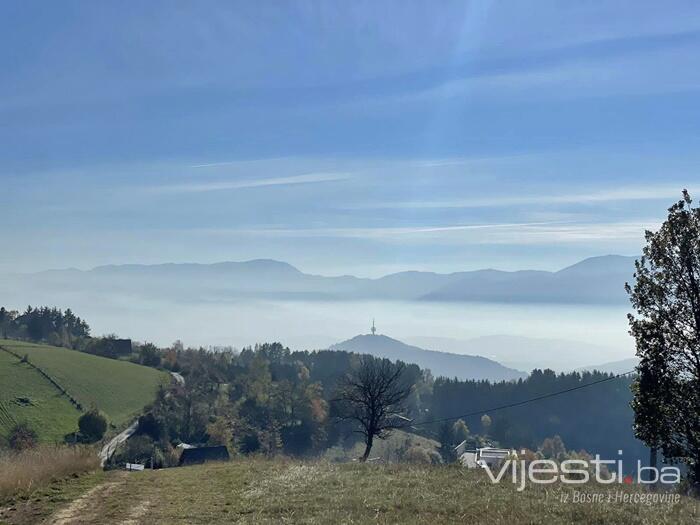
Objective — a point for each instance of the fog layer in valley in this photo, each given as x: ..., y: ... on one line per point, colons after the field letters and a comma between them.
x: 567, y: 319
x: 592, y: 334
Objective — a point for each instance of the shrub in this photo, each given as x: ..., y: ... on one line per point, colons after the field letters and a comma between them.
x: 22, y: 437
x: 417, y: 455
x: 553, y: 448
x: 460, y: 431
x: 435, y: 457
x: 149, y: 355
x: 250, y: 443
x: 151, y: 426
x: 138, y: 449
x: 142, y: 449
x: 92, y: 425
x: 219, y: 432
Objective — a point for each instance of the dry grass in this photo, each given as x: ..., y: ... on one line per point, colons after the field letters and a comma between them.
x: 259, y: 491
x: 26, y: 471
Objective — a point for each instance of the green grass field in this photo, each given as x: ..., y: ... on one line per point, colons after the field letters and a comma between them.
x: 279, y: 491
x: 48, y: 411
x: 118, y: 388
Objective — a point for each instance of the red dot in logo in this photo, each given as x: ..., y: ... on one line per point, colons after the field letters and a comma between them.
x: 628, y: 480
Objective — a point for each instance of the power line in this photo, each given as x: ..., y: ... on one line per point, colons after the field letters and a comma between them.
x: 526, y: 401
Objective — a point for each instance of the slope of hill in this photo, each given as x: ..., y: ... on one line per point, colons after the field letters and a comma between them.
x: 439, y: 363
x: 598, y: 280
x: 118, y: 388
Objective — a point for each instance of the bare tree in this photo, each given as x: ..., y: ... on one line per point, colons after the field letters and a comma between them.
x: 373, y: 396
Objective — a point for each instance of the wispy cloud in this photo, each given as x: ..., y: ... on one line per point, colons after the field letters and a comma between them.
x: 520, y: 233
x: 375, y: 232
x: 225, y: 185
x: 609, y: 195
x: 212, y: 164
x: 587, y: 233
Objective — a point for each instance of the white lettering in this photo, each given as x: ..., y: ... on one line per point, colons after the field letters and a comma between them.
x: 565, y: 470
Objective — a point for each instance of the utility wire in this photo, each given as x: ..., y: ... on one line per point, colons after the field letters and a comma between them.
x: 525, y: 402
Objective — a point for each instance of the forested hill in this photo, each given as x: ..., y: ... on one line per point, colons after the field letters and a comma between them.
x: 465, y: 367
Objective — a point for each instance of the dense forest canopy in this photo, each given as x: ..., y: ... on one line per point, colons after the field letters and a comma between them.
x: 597, y: 419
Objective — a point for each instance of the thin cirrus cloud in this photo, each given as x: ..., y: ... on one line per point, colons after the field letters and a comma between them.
x: 570, y: 233
x: 389, y: 232
x: 519, y: 233
x: 226, y: 185
x: 617, y: 194
x: 379, y: 232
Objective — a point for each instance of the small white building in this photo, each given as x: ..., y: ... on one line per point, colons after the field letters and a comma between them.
x: 468, y: 460
x: 486, y: 457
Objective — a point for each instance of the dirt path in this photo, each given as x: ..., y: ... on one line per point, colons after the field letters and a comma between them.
x: 87, y: 508
x: 136, y: 513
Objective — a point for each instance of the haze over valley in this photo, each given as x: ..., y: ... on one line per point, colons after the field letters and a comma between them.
x: 571, y: 318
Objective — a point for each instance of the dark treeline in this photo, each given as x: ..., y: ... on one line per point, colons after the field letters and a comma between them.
x: 56, y: 327
x: 597, y: 419
x: 44, y: 324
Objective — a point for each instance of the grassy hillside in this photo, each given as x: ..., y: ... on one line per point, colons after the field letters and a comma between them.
x: 25, y: 395
x: 118, y: 388
x: 262, y: 491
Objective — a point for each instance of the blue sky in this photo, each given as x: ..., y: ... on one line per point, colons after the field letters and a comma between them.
x: 343, y: 137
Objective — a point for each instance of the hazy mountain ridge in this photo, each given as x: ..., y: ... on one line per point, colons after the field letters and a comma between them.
x: 614, y: 367
x: 440, y: 363
x: 594, y: 280
x: 598, y: 280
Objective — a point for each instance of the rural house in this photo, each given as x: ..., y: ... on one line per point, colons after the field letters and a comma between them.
x: 194, y: 456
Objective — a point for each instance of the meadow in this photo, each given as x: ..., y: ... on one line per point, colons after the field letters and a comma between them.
x: 119, y: 389
x: 26, y: 396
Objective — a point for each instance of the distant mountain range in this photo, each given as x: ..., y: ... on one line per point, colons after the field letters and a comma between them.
x: 440, y: 363
x: 598, y: 280
x: 614, y: 367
